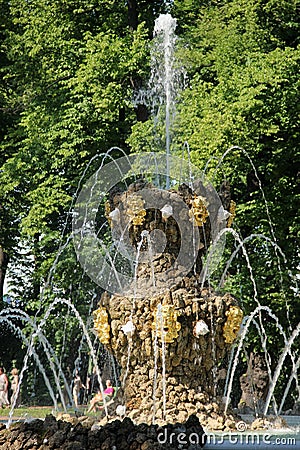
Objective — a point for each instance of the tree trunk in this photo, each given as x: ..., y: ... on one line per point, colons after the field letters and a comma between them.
x: 141, y: 110
x: 4, y: 258
x: 132, y: 14
x: 36, y: 285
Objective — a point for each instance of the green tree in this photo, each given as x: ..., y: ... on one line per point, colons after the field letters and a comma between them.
x: 68, y: 72
x: 68, y: 77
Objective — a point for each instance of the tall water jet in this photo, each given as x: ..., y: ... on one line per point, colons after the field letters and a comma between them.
x: 166, y: 80
x: 166, y: 25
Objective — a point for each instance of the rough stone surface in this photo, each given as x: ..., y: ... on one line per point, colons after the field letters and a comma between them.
x: 119, y: 435
x: 268, y: 423
x: 190, y: 380
x: 254, y: 384
x: 164, y: 382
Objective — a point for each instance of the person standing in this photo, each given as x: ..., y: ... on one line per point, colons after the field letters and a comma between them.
x: 77, y: 385
x: 93, y: 383
x: 3, y: 389
x: 14, y: 386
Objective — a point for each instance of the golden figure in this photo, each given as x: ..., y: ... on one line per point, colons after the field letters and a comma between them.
x: 165, y: 323
x: 232, y: 324
x: 232, y: 209
x: 135, y: 209
x: 101, y: 325
x: 107, y: 211
x: 198, y: 212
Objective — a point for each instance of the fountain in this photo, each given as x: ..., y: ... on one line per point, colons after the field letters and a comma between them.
x: 181, y: 327
x: 169, y: 330
x: 158, y: 316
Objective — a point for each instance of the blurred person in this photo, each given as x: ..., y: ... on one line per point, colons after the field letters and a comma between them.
x: 97, y: 400
x: 93, y: 383
x: 14, y: 386
x: 3, y: 388
x: 77, y: 386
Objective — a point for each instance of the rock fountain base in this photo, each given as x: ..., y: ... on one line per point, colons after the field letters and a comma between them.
x: 170, y: 388
x: 78, y: 434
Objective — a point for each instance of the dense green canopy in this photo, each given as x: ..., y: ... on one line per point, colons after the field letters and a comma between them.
x: 69, y: 70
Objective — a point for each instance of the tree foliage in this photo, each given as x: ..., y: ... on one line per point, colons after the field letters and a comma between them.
x: 244, y: 59
x: 240, y: 117
x: 69, y: 70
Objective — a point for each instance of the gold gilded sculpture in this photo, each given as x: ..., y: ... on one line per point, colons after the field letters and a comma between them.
x: 165, y: 323
x: 232, y: 324
x: 232, y: 209
x: 107, y: 211
x: 198, y: 212
x: 135, y: 210
x: 101, y: 324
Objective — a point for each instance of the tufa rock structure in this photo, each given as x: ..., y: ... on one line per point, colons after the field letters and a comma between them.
x: 169, y: 332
